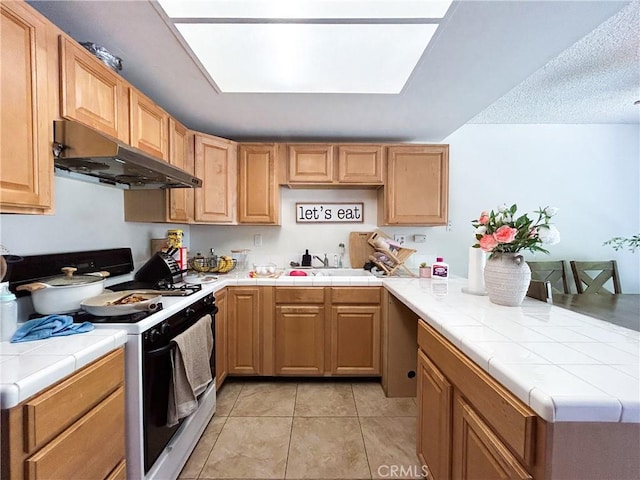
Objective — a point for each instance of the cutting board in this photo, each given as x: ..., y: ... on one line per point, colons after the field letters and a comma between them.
x: 359, y: 249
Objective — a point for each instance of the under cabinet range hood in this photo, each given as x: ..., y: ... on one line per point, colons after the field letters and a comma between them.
x: 82, y: 150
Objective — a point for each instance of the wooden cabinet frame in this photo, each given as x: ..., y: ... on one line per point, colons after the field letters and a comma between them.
x: 30, y: 104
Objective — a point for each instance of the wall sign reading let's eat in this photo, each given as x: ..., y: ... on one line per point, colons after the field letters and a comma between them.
x: 329, y: 212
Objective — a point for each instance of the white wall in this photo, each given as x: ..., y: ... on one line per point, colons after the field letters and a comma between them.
x: 591, y: 172
x: 88, y: 216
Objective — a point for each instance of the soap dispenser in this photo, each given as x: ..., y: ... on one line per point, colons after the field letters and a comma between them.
x: 306, y: 259
x: 8, y: 312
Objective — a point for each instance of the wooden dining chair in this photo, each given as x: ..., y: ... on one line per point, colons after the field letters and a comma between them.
x: 591, y: 277
x: 554, y: 272
x: 540, y: 290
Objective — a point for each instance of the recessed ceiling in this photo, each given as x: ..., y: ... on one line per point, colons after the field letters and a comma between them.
x: 480, y: 51
x: 313, y: 46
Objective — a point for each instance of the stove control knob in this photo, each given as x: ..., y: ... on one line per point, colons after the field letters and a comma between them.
x: 154, y: 335
x: 189, y: 311
x: 164, y: 328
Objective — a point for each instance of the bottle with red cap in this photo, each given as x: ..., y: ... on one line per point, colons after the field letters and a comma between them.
x: 440, y: 269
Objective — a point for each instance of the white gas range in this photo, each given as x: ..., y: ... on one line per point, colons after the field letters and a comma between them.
x: 154, y: 450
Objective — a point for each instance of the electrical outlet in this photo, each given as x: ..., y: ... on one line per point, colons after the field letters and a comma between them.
x: 257, y: 240
x: 401, y: 239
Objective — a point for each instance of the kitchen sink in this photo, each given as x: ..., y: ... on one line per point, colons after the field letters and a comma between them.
x: 335, y: 272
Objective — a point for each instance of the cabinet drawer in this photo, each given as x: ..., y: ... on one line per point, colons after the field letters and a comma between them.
x: 357, y: 295
x: 49, y: 413
x: 101, y: 432
x: 511, y: 419
x: 300, y: 295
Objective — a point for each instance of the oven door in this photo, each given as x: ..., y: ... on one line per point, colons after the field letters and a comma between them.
x: 157, y: 372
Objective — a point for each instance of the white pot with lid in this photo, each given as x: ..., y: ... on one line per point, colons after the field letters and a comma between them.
x: 64, y: 293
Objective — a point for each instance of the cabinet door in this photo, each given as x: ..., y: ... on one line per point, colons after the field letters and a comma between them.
x: 216, y: 164
x: 477, y: 451
x: 355, y: 340
x: 244, y: 330
x: 91, y: 93
x: 434, y: 419
x: 221, y: 338
x: 360, y: 164
x: 416, y: 191
x: 26, y: 163
x: 181, y: 156
x: 149, y: 125
x: 258, y: 195
x: 299, y: 340
x: 310, y: 163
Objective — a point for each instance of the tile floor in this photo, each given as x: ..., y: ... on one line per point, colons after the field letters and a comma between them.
x: 306, y: 430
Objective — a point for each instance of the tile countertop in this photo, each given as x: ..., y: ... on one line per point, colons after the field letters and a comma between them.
x: 29, y: 367
x: 566, y: 366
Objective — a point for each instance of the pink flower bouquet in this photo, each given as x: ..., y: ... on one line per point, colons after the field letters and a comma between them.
x: 503, y: 232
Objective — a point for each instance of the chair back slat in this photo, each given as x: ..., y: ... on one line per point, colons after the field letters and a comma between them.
x: 591, y: 277
x: 540, y: 290
x: 553, y: 272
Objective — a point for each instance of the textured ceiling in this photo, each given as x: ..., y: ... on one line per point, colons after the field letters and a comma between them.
x: 594, y: 81
x: 481, y: 51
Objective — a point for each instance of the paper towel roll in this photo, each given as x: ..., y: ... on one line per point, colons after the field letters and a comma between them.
x: 475, y: 275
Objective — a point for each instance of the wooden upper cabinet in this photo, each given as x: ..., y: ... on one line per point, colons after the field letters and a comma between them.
x: 148, y: 125
x: 360, y: 164
x: 216, y: 163
x: 258, y: 194
x: 181, y: 156
x: 91, y: 92
x: 29, y: 93
x: 310, y: 163
x: 416, y: 190
x: 321, y: 164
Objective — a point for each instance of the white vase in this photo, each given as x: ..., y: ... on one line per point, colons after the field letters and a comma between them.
x: 507, y: 277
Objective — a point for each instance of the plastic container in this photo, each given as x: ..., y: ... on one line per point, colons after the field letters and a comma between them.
x: 440, y: 269
x: 8, y: 313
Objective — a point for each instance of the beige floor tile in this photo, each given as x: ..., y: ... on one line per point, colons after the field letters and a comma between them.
x: 327, y: 447
x: 371, y: 402
x: 226, y: 397
x: 250, y: 447
x: 265, y: 399
x: 390, y: 443
x: 322, y: 399
x: 203, y: 448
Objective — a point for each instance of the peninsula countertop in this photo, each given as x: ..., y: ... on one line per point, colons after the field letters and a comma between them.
x: 568, y: 367
x: 27, y: 368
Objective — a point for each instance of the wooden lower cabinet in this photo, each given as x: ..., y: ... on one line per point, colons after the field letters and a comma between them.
x: 434, y: 419
x: 469, y: 426
x: 75, y: 429
x: 299, y: 331
x: 355, y: 324
x: 299, y: 340
x: 221, y: 346
x: 477, y: 452
x: 304, y: 331
x: 244, y: 330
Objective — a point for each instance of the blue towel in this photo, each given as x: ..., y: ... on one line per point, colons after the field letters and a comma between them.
x: 49, y: 326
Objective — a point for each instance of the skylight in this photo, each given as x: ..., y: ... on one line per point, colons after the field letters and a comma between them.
x: 307, y: 46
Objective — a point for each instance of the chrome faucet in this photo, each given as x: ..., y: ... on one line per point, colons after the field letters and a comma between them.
x: 325, y: 261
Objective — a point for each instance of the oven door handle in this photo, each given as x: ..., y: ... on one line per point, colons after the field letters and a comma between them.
x: 162, y: 350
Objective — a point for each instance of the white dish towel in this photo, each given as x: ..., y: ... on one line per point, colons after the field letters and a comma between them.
x: 191, y: 369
